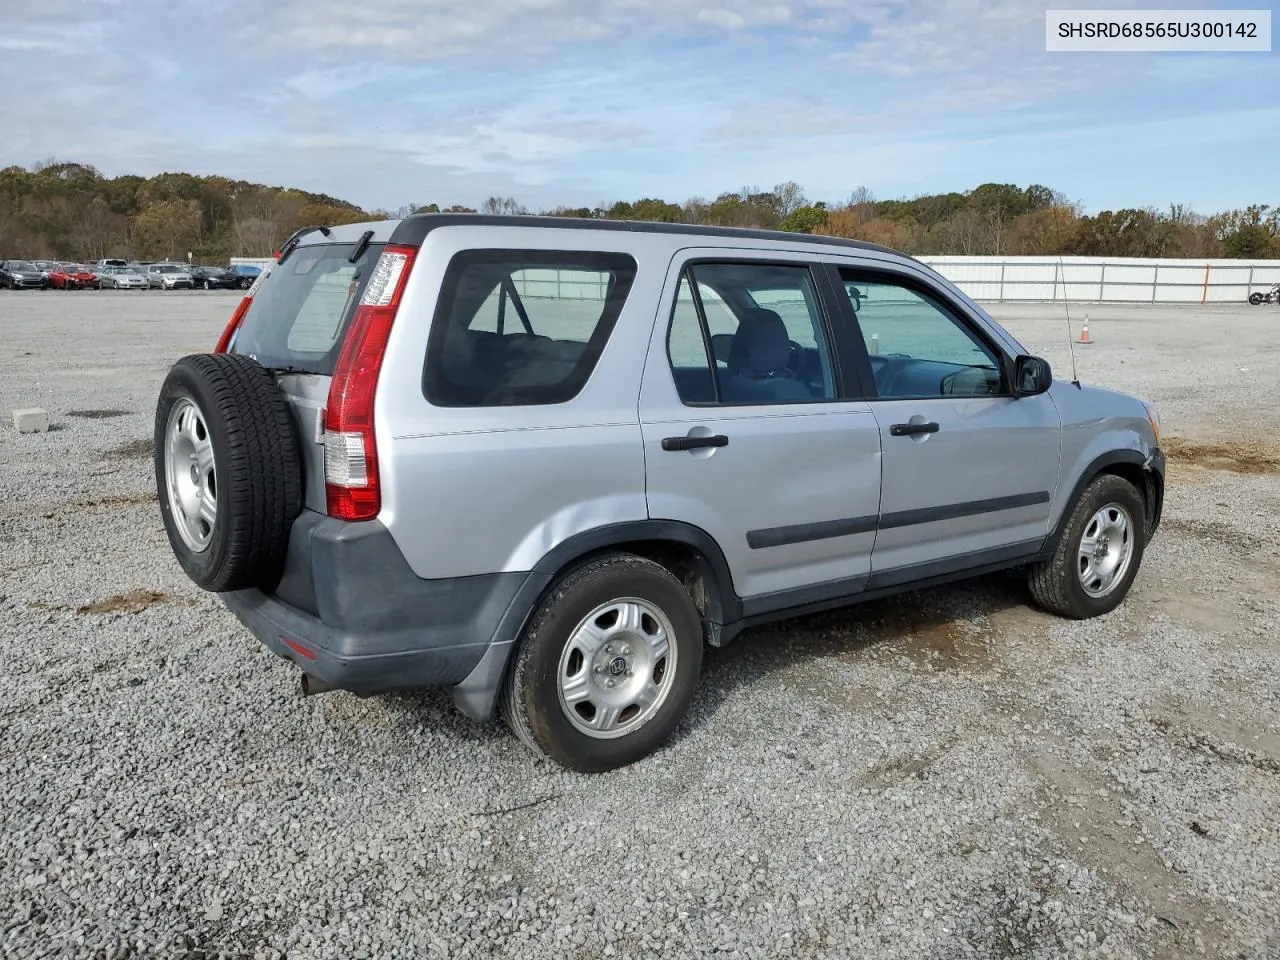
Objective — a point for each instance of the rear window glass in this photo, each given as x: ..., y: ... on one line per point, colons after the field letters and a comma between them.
x: 519, y: 327
x: 300, y: 311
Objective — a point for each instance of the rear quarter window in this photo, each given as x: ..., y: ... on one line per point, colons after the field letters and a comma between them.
x: 522, y: 327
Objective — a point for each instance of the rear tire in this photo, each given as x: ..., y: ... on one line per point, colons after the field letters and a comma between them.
x: 228, y: 474
x: 1098, y: 553
x: 607, y: 666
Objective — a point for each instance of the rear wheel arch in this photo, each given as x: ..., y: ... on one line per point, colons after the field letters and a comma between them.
x: 688, y: 552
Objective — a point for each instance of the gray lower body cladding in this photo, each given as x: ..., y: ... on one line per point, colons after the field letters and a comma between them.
x: 351, y: 612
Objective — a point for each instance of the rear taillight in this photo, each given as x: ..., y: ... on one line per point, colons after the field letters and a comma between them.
x: 350, y: 450
x: 229, y: 334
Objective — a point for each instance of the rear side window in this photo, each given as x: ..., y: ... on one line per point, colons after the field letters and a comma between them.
x: 298, y: 314
x: 522, y: 327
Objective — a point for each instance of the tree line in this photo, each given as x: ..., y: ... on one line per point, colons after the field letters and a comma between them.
x: 70, y: 211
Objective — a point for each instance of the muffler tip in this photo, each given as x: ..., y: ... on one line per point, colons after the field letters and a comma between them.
x: 313, y: 685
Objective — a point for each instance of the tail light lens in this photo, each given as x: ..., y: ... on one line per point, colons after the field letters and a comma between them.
x: 228, y: 334
x: 350, y: 448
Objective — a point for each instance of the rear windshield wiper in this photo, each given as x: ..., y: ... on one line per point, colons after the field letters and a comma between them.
x: 296, y: 238
x: 361, y: 246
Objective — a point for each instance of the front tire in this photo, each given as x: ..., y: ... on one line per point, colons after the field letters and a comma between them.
x: 607, y: 666
x: 1098, y: 554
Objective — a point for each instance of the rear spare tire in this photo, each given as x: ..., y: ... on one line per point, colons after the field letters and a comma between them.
x: 228, y: 475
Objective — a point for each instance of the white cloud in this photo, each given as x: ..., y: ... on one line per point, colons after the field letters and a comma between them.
x: 591, y: 100
x: 496, y: 30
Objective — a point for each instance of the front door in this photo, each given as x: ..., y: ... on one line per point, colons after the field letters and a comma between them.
x: 748, y: 432
x: 969, y: 470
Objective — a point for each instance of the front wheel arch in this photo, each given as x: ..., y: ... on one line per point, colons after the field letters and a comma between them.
x: 1130, y: 465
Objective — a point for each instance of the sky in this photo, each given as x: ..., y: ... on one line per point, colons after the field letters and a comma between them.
x: 583, y: 102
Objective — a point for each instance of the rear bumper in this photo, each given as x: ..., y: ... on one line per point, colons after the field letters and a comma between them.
x: 351, y: 612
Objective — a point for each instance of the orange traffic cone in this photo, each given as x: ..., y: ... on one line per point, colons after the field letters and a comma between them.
x: 1084, y: 333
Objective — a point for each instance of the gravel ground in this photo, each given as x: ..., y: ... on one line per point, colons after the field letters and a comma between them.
x: 946, y: 774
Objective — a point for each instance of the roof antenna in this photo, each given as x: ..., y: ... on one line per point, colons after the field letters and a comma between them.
x: 1066, y: 306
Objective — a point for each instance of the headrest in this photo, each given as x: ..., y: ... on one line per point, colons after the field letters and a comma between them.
x: 761, y: 344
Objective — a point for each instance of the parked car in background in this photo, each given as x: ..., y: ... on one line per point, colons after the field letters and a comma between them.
x: 45, y: 266
x: 108, y: 262
x: 22, y: 275
x: 247, y: 274
x: 169, y: 276
x: 215, y: 278
x: 123, y: 278
x: 73, y: 276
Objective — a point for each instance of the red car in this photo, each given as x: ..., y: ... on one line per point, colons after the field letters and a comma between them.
x: 72, y: 276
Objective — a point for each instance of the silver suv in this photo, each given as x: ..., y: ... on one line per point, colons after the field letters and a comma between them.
x: 169, y: 276
x: 543, y: 462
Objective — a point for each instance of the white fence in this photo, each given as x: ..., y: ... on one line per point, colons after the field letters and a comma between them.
x: 1116, y: 279
x: 996, y: 279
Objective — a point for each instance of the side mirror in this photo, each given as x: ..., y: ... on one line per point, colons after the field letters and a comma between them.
x: 1031, y: 376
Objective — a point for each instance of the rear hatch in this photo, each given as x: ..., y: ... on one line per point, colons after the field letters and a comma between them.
x: 295, y: 325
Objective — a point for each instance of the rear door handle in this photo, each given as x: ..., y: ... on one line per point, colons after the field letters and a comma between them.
x: 694, y: 443
x: 911, y: 429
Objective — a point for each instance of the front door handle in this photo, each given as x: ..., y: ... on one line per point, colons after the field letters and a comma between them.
x: 911, y: 429
x: 694, y: 443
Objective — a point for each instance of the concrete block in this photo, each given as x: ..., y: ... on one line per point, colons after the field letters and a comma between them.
x: 31, y: 420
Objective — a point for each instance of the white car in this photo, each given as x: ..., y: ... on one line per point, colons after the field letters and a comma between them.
x: 122, y: 278
x: 169, y: 276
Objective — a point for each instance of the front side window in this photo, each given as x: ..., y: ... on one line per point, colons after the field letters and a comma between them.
x: 744, y: 333
x: 522, y: 327
x: 917, y: 347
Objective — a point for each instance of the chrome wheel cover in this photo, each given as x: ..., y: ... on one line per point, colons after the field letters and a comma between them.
x: 617, y: 668
x: 1105, y: 551
x: 190, y: 475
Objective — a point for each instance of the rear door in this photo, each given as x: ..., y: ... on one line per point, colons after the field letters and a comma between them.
x: 969, y: 471
x: 749, y: 430
x: 295, y: 325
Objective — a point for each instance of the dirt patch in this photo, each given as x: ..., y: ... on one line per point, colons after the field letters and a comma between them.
x: 1241, y: 456
x: 1214, y: 533
x: 97, y: 414
x: 1222, y: 739
x: 894, y: 770
x: 1102, y: 829
x: 135, y: 601
x: 932, y: 639
x: 139, y: 449
x: 951, y: 644
x: 118, y: 500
